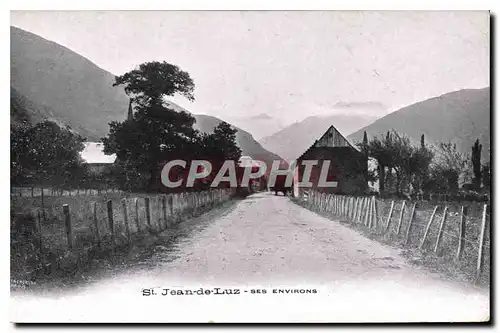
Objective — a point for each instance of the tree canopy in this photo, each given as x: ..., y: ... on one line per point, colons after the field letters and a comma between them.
x: 152, y: 81
x: 46, y: 154
x: 156, y: 134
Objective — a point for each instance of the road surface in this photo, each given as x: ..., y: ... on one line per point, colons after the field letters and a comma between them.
x: 311, y: 268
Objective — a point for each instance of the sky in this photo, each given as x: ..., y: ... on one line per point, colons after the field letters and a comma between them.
x: 288, y: 65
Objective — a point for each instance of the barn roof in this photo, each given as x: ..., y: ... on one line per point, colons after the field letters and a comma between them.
x: 332, y: 138
x: 93, y: 154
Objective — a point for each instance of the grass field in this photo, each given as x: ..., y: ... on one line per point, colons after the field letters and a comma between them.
x: 40, y: 235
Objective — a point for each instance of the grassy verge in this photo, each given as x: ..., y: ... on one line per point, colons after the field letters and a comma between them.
x: 39, y: 242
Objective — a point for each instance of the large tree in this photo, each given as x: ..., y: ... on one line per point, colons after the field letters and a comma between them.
x: 154, y: 133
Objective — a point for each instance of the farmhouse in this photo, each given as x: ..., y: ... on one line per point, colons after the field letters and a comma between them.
x: 94, y: 156
x: 347, y: 170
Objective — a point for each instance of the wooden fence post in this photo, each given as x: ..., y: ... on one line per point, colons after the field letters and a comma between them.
x: 360, y: 211
x: 111, y: 222
x: 138, y: 225
x: 375, y: 213
x: 347, y: 203
x: 389, y: 216
x: 69, y: 229
x: 96, y: 224
x: 148, y: 211
x: 39, y: 227
x: 440, y: 232
x: 171, y: 207
x: 412, y: 215
x: 401, y: 217
x: 370, y: 219
x: 125, y: 219
x: 367, y: 211
x: 481, y: 244
x: 164, y: 208
x: 428, y: 227
x: 461, y: 232
x: 43, y: 206
x: 353, y: 208
x: 344, y: 208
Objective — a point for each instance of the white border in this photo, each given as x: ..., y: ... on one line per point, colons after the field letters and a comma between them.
x: 195, y: 5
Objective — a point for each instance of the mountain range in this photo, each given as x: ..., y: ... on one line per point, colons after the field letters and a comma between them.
x: 50, y: 81
x: 461, y: 117
x: 295, y: 139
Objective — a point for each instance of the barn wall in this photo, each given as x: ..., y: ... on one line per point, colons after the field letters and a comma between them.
x: 347, y: 167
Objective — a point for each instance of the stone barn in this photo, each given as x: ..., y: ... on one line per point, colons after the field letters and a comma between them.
x: 346, y: 173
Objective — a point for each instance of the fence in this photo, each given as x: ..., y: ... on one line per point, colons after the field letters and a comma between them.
x: 454, y: 232
x: 45, y: 192
x: 67, y: 233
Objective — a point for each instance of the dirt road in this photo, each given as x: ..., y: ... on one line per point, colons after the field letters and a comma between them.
x: 311, y: 268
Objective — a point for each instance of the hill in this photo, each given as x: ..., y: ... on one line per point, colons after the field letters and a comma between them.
x: 76, y: 91
x: 460, y: 116
x: 51, y: 81
x: 246, y: 142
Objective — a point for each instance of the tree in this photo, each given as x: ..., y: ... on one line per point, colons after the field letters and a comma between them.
x: 476, y: 164
x: 396, y: 153
x: 486, y: 175
x: 221, y: 144
x: 152, y: 81
x: 376, y: 148
x: 46, y: 154
x: 448, y: 168
x: 155, y: 134
x: 365, y: 151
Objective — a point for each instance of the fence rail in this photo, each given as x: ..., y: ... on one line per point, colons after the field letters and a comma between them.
x: 453, y: 231
x: 52, y: 191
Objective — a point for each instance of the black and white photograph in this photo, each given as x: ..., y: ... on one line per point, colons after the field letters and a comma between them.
x: 250, y: 166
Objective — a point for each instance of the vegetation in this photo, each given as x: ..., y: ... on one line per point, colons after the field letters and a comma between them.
x: 155, y: 134
x: 46, y: 154
x: 404, y: 168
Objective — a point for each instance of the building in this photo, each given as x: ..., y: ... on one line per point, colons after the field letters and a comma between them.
x: 348, y: 166
x: 94, y: 156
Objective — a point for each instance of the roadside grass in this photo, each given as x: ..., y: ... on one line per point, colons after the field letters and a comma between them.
x: 39, y: 242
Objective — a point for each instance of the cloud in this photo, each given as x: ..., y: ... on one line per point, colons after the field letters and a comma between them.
x: 372, y: 105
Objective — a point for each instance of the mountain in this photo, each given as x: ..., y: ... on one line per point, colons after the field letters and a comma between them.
x: 460, y: 116
x: 76, y: 91
x: 293, y: 140
x: 248, y: 145
x: 260, y: 125
x: 49, y: 81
